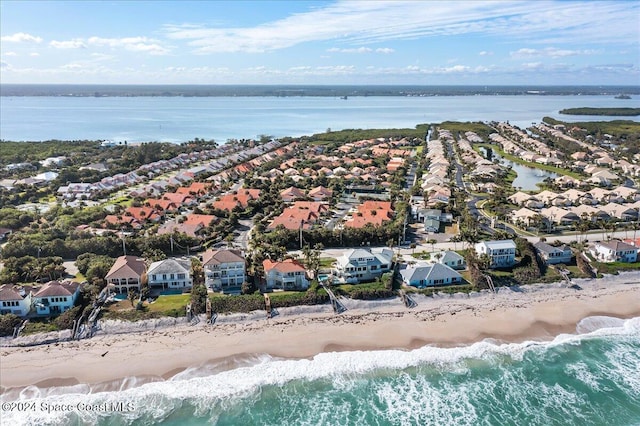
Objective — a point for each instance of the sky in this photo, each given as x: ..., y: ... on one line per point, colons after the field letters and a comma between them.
x: 321, y: 42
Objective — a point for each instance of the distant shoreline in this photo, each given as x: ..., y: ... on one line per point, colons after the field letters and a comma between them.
x: 338, y: 91
x: 613, y: 112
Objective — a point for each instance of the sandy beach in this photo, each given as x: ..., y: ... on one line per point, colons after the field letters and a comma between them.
x: 537, y: 312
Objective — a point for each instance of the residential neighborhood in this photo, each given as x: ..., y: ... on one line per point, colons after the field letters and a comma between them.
x: 439, y: 207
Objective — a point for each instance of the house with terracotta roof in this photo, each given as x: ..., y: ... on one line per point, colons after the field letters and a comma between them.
x: 224, y: 270
x: 237, y: 199
x: 162, y: 205
x: 14, y: 300
x: 56, y: 297
x: 320, y: 193
x: 114, y: 221
x: 203, y: 220
x: 371, y: 212
x: 286, y: 275
x: 180, y: 199
x: 291, y: 194
x: 126, y: 274
x: 143, y: 214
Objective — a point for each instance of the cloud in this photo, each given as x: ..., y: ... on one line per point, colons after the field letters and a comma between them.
x: 354, y: 50
x: 21, y: 38
x: 133, y: 44
x: 380, y: 21
x: 384, y: 50
x: 10, y: 54
x: 485, y: 53
x: 76, y: 43
x: 550, y: 52
x: 4, y: 65
x: 34, y: 54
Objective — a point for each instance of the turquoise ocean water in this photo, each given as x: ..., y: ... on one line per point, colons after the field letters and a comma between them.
x: 587, y: 378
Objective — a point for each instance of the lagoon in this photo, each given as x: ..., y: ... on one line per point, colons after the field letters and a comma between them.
x: 528, y: 177
x: 179, y: 119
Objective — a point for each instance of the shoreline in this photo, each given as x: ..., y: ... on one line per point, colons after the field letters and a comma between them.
x: 118, y: 361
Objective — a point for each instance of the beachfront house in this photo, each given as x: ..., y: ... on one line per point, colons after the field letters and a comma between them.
x: 501, y: 252
x: 553, y: 255
x: 14, y: 300
x: 361, y: 265
x: 224, y: 270
x: 429, y: 275
x: 287, y: 275
x: 126, y: 274
x: 450, y: 258
x: 56, y: 297
x: 170, y: 274
x: 615, y: 251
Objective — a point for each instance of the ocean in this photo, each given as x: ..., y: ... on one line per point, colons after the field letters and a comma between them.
x: 179, y: 119
x: 588, y: 378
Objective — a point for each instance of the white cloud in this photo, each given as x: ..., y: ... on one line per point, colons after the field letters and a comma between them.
x: 385, y: 50
x: 21, y: 37
x: 374, y: 22
x: 34, y: 54
x: 485, y: 53
x: 550, y: 52
x: 76, y: 43
x: 351, y: 50
x: 133, y: 44
x: 10, y: 54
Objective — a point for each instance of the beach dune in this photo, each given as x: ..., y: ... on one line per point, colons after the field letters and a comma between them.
x: 530, y: 313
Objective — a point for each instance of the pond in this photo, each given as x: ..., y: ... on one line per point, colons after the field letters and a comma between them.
x: 528, y: 177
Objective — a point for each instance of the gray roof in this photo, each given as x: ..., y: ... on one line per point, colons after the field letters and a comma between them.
x: 499, y: 244
x: 168, y: 266
x: 448, y: 256
x: 428, y: 272
x: 547, y: 248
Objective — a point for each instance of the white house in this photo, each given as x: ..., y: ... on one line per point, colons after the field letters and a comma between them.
x: 287, y: 275
x: 56, y: 297
x: 428, y: 275
x: 223, y: 269
x: 450, y: 258
x: 14, y: 300
x: 502, y: 252
x: 360, y: 265
x: 553, y: 255
x: 615, y: 251
x: 170, y: 274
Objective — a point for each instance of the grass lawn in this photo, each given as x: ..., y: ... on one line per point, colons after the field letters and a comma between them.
x: 615, y: 267
x: 123, y: 201
x: 169, y: 303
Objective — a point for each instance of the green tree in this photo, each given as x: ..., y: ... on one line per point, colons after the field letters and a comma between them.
x: 198, y: 299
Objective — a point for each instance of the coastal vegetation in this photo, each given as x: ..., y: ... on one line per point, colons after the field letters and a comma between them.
x: 613, y: 112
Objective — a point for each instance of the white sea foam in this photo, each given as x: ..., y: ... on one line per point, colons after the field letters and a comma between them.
x: 159, y: 399
x: 591, y: 324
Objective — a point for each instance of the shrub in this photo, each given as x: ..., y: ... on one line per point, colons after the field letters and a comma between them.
x: 65, y: 320
x: 7, y: 324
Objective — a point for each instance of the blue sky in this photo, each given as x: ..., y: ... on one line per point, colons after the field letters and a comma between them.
x: 320, y: 42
